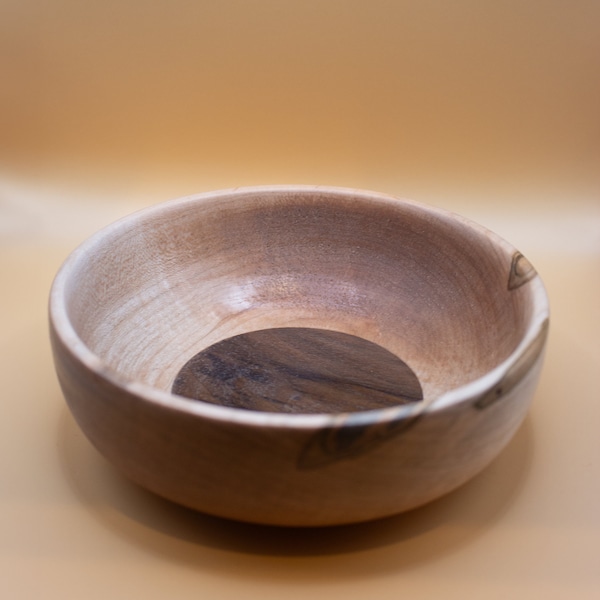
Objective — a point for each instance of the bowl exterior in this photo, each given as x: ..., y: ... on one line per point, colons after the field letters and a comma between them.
x: 354, y: 468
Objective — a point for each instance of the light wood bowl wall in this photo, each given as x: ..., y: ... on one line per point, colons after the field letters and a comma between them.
x: 459, y: 305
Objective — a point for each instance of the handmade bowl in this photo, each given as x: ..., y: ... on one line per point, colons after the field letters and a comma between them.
x: 298, y: 355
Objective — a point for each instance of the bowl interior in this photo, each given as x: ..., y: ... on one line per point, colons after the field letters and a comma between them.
x: 152, y: 291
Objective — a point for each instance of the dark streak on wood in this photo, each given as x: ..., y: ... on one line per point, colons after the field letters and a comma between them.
x: 298, y: 370
x: 521, y: 271
x: 350, y: 439
x: 517, y: 372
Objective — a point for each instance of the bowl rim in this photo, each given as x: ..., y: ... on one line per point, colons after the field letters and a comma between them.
x: 62, y: 327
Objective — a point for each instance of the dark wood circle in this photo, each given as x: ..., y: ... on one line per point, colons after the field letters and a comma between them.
x: 298, y: 370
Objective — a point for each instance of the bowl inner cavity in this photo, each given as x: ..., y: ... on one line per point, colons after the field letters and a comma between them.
x: 298, y: 370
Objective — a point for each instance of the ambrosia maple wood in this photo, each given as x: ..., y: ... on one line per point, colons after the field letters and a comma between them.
x: 298, y: 355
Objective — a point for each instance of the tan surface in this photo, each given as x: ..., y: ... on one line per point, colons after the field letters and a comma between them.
x: 486, y: 108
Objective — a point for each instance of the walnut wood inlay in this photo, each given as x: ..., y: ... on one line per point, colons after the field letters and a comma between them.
x: 298, y: 370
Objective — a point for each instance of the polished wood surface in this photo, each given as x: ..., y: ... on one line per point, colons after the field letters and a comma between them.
x: 454, y: 304
x: 298, y: 370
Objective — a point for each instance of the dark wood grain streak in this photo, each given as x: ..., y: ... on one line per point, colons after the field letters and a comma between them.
x: 517, y: 372
x: 298, y: 370
x: 521, y: 271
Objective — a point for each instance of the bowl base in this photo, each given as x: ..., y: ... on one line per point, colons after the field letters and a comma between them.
x: 298, y: 370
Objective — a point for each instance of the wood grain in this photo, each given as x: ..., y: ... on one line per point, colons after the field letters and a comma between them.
x: 298, y: 370
x: 288, y: 316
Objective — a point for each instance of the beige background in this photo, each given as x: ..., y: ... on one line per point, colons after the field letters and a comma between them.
x: 491, y: 109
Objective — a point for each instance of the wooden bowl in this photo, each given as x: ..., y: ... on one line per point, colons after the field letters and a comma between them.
x: 298, y: 355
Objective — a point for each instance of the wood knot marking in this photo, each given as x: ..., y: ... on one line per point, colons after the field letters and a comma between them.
x: 517, y: 372
x: 521, y: 271
x: 298, y: 370
x: 352, y: 437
